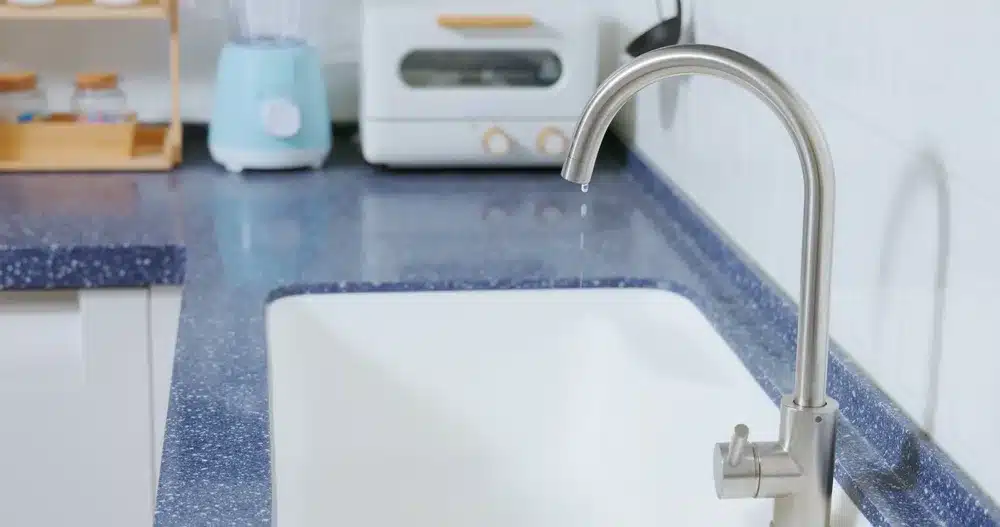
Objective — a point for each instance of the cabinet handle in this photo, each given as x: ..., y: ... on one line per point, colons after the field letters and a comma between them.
x: 485, y: 21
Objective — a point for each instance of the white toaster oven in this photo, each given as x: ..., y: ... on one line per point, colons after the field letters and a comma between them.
x: 453, y: 87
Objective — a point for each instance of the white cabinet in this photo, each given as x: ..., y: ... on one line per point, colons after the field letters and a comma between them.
x: 84, y: 381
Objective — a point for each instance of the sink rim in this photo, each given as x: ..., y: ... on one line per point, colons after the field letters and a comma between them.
x: 515, y: 289
x: 479, y: 285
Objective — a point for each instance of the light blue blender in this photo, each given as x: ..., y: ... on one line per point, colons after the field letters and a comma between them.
x: 271, y: 109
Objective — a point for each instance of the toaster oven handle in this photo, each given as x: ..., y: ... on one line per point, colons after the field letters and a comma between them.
x: 485, y: 21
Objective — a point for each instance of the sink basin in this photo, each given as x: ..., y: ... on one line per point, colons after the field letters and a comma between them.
x: 542, y: 408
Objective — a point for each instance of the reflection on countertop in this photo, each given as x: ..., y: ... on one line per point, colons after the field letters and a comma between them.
x: 237, y: 241
x: 352, y: 223
x: 89, y: 230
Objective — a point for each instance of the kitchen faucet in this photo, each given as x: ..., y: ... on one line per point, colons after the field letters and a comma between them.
x: 796, y: 470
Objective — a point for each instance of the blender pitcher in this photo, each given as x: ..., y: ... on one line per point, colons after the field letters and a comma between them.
x: 270, y: 109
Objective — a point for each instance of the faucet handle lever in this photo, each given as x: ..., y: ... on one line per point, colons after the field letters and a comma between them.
x: 738, y: 444
x: 737, y: 466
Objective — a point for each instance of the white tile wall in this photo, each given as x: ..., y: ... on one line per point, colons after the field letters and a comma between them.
x: 909, y: 94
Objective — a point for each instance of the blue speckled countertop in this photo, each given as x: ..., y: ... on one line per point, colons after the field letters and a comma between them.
x: 236, y: 242
x: 89, y: 230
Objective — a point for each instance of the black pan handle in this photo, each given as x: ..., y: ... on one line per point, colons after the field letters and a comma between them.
x: 665, y: 33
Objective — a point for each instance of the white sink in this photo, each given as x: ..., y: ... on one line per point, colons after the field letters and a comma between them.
x: 548, y: 408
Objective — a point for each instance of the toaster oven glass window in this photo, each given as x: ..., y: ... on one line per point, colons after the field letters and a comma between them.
x: 450, y: 68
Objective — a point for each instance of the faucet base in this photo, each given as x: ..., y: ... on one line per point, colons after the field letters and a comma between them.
x: 808, y: 435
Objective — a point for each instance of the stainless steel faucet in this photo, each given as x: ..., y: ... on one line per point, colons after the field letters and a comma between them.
x: 797, y: 469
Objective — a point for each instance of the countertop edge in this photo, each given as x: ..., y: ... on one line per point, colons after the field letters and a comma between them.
x: 91, y: 266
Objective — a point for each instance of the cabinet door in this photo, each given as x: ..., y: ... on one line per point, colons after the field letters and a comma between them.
x: 76, y: 439
x: 164, y: 317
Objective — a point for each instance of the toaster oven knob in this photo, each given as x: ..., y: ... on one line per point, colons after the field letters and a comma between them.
x: 281, y: 117
x: 496, y: 142
x: 552, y: 142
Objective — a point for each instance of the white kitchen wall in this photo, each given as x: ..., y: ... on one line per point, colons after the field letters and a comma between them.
x: 138, y: 50
x: 57, y: 50
x: 908, y: 92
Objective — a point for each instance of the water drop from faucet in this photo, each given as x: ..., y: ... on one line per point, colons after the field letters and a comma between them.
x: 585, y: 187
x: 583, y: 214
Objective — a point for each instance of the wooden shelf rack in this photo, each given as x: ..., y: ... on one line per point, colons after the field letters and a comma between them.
x: 63, y: 144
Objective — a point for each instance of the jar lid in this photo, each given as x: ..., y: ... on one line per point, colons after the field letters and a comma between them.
x: 97, y: 81
x: 18, y: 81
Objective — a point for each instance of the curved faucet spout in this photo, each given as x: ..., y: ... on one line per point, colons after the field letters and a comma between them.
x: 817, y: 168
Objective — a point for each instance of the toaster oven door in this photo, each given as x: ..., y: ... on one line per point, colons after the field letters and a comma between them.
x: 415, y: 68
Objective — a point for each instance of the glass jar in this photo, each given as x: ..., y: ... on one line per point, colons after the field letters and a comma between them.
x: 98, y: 99
x: 20, y: 99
